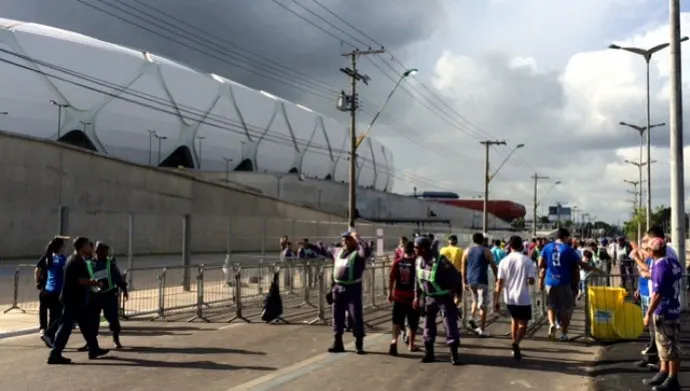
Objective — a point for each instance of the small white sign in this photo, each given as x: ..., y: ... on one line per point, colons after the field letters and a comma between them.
x: 379, y: 232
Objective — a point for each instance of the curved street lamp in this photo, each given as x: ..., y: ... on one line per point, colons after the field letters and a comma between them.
x: 407, y: 73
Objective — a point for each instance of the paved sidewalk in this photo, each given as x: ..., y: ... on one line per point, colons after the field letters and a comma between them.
x: 615, y: 369
x: 233, y: 357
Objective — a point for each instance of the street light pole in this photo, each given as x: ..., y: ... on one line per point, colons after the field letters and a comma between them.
x: 200, y: 138
x: 536, y: 178
x: 404, y: 75
x: 647, y: 55
x: 227, y: 169
x: 641, y: 130
x: 160, y: 142
x: 638, y: 203
x: 488, y: 177
x: 84, y: 125
x: 676, y: 142
x: 60, y: 106
x: 152, y: 134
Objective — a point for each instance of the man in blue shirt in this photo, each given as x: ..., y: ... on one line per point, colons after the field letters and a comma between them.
x: 559, y: 277
x: 664, y: 313
x: 497, y: 251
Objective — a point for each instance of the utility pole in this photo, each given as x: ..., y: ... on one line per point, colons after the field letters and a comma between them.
x: 485, y: 216
x: 355, y: 77
x: 676, y: 142
x: 638, y: 198
x: 536, y: 178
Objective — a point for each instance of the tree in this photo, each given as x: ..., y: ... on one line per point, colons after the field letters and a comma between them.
x: 640, y: 219
x: 518, y: 224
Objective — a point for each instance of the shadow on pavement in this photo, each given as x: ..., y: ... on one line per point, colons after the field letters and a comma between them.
x: 190, y: 350
x: 209, y: 365
x: 615, y: 369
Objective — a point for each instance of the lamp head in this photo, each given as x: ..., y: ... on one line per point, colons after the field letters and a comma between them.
x: 614, y: 46
x: 410, y: 72
x: 519, y: 146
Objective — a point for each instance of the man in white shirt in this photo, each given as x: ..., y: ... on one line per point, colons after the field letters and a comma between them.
x: 516, y: 273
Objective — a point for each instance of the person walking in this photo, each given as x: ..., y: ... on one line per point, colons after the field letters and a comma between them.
x: 516, y: 273
x: 77, y: 283
x: 437, y: 280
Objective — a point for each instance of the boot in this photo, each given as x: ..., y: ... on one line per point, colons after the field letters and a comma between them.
x: 670, y: 384
x: 337, y: 346
x: 429, y: 356
x: 359, y: 345
x: 116, y: 341
x: 656, y: 380
x: 393, y: 349
x: 454, y: 354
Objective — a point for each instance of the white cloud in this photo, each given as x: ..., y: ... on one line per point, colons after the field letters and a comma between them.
x: 568, y: 119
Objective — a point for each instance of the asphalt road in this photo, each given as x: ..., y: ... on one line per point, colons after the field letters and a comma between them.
x: 174, y: 356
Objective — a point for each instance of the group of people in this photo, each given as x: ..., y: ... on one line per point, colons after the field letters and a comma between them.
x: 75, y: 287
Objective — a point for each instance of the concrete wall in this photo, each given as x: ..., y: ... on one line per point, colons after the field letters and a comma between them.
x: 100, y: 194
x: 372, y: 204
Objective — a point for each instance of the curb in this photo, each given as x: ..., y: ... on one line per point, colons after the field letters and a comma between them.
x: 19, y: 333
x: 29, y: 331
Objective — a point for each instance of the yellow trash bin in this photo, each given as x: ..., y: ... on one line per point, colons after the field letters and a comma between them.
x: 627, y: 321
x: 603, y: 303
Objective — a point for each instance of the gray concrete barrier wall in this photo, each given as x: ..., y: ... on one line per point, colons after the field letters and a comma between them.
x: 98, y: 195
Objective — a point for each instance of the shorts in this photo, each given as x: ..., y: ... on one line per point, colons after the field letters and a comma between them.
x: 667, y: 335
x: 559, y: 298
x: 520, y: 312
x: 480, y: 295
x: 402, y: 311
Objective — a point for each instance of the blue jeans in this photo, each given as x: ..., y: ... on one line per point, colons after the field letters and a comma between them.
x: 74, y: 313
x: 644, y: 304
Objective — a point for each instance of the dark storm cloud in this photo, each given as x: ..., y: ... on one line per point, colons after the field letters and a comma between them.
x: 260, y: 25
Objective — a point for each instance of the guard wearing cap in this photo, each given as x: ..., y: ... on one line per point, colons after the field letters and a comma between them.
x: 103, y: 268
x: 346, y: 291
x: 438, y: 281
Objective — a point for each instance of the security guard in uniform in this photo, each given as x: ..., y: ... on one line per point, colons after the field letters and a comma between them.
x: 438, y: 281
x: 102, y: 268
x: 346, y: 291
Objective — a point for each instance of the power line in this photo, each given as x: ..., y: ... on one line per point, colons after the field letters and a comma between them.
x: 183, y: 112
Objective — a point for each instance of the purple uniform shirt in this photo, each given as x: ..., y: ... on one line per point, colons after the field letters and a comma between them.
x: 667, y: 274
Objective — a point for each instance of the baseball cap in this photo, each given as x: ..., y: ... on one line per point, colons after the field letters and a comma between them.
x: 422, y: 241
x: 656, y: 244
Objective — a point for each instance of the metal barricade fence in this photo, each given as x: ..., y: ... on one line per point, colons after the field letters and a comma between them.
x: 611, y: 310
x: 18, y: 289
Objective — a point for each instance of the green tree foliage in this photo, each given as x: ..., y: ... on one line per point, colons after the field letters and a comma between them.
x: 640, y: 218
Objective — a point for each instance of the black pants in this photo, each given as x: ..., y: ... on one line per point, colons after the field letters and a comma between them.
x: 74, y: 313
x: 49, y: 309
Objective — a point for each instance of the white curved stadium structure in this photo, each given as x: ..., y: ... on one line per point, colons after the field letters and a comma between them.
x: 111, y: 99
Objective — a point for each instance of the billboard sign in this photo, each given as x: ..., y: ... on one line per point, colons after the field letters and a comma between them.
x: 562, y: 212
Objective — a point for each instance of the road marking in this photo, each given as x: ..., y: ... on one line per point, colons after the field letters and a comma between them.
x: 231, y: 326
x: 301, y: 369
x: 523, y: 383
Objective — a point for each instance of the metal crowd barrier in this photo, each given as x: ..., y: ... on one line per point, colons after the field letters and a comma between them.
x: 237, y: 291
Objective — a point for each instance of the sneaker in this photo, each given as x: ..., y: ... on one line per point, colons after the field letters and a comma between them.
x: 59, y: 360
x: 552, y: 331
x: 47, y: 341
x: 646, y: 363
x: 482, y: 333
x: 472, y: 324
x: 517, y: 354
x: 98, y: 353
x: 558, y: 325
x: 564, y: 337
x: 655, y: 380
x: 393, y: 349
x: 41, y: 331
x: 645, y: 350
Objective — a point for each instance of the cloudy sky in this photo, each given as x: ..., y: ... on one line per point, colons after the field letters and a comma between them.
x: 526, y: 71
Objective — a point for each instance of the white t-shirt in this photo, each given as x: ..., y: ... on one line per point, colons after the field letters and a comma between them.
x: 514, y: 270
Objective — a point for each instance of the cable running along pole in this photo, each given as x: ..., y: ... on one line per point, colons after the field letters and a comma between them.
x: 355, y: 77
x: 536, y: 178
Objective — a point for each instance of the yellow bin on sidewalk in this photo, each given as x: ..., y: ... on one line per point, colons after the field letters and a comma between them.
x: 627, y: 321
x: 603, y: 303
